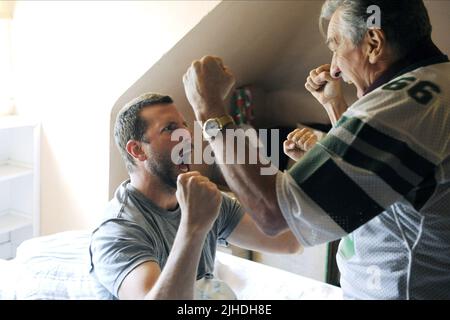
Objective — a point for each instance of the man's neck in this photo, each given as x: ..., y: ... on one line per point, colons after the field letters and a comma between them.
x: 156, y: 191
x: 426, y: 53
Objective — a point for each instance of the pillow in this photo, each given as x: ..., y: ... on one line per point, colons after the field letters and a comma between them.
x: 56, y: 267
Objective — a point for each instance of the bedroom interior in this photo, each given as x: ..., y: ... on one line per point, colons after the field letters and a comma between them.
x: 72, y: 78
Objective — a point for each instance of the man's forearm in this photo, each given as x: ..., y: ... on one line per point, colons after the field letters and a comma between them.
x: 256, y: 192
x: 178, y: 277
x: 335, y: 111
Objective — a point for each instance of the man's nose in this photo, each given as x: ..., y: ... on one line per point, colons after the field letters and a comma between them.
x: 334, y: 69
x: 336, y: 73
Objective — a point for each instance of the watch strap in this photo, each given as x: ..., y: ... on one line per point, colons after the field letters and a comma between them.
x: 225, y: 120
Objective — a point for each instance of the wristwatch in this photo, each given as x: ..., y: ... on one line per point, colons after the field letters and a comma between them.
x: 212, y: 126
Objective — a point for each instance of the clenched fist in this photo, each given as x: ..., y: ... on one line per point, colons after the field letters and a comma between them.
x: 199, y: 200
x: 323, y: 86
x: 298, y: 142
x: 328, y: 91
x: 207, y: 83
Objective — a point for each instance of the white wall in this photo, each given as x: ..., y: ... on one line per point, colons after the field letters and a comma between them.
x: 7, y: 9
x: 72, y: 60
x: 439, y: 12
x: 6, y: 103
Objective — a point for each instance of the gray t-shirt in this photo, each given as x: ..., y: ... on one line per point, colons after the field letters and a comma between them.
x: 135, y: 230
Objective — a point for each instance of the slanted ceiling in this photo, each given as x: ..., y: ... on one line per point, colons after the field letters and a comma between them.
x: 255, y: 40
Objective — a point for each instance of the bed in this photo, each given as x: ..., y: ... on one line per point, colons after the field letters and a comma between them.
x: 57, y: 267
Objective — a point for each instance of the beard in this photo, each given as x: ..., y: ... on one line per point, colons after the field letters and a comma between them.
x: 162, y: 167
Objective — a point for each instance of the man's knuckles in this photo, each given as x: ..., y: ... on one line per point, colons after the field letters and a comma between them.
x: 184, y: 177
x: 211, y: 62
x: 292, y: 133
x: 312, y: 73
x: 324, y: 67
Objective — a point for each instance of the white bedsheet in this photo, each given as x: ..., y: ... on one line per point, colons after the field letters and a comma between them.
x: 57, y: 267
x: 252, y: 280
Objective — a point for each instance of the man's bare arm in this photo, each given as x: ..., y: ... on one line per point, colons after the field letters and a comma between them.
x: 207, y: 83
x: 247, y: 235
x: 178, y: 277
x: 256, y: 192
x: 180, y: 272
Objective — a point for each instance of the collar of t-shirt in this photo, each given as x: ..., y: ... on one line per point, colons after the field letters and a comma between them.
x: 149, y: 205
x: 424, y: 54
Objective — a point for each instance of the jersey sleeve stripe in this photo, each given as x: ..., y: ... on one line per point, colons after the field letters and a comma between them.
x: 327, y: 185
x: 372, y: 152
x: 358, y: 159
x: 378, y: 139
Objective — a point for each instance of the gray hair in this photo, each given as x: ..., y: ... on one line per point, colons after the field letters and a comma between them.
x: 131, y: 126
x: 404, y: 22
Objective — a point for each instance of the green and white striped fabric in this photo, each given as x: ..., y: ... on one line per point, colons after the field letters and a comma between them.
x: 383, y: 175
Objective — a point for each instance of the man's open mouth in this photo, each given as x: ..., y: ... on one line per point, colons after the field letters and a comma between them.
x: 185, y: 160
x: 183, y: 167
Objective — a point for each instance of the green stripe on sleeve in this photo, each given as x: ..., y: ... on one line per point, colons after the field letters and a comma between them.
x: 358, y: 159
x: 338, y: 195
x: 411, y: 159
x: 310, y: 162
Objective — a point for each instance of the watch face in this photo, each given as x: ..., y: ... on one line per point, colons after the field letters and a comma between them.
x: 212, y: 127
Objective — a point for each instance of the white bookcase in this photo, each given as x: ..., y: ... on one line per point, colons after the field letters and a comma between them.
x: 19, y: 182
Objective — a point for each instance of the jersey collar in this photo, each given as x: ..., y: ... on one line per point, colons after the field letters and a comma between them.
x: 425, y: 54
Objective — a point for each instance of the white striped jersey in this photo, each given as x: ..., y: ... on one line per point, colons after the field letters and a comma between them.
x: 381, y: 180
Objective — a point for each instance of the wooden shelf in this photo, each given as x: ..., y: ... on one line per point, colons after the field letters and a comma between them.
x: 10, y: 171
x: 12, y: 220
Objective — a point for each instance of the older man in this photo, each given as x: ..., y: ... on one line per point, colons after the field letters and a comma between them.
x: 380, y: 179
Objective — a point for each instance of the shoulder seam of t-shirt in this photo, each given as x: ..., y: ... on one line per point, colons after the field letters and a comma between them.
x: 123, y: 204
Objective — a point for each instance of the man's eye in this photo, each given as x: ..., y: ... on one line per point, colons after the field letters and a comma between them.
x: 169, y: 128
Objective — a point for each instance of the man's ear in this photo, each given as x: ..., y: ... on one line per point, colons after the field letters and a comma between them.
x: 134, y: 148
x: 376, y: 44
